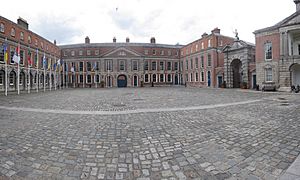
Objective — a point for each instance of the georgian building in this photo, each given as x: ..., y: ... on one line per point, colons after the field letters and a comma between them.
x: 278, y: 53
x: 123, y: 64
x: 33, y: 48
x: 202, y: 61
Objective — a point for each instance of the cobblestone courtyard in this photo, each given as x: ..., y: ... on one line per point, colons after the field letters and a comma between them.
x: 148, y: 133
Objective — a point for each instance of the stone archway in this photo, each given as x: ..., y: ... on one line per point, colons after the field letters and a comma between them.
x: 236, y: 67
x: 295, y: 74
x: 122, y: 80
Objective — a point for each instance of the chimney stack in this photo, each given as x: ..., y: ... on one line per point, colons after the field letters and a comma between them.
x: 216, y: 31
x: 114, y: 39
x: 127, y: 40
x: 54, y: 42
x: 297, y: 2
x: 87, y: 40
x: 152, y: 40
x: 22, y: 22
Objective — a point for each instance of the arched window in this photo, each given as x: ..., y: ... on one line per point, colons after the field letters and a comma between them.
x: 13, y: 32
x: 154, y: 78
x: 29, y: 39
x: 2, y: 28
x: 146, y: 78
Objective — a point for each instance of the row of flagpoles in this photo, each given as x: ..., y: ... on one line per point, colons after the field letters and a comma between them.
x: 17, y: 58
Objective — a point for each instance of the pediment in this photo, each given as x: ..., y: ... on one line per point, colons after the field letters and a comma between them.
x: 292, y: 21
x: 122, y: 52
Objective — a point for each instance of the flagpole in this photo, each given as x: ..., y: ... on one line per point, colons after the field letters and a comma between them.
x: 83, y: 78
x: 50, y: 77
x: 18, y: 70
x: 59, y: 76
x: 6, y: 59
x: 55, y: 73
x: 28, y: 84
x: 64, y: 78
x: 44, y: 78
x: 37, y: 70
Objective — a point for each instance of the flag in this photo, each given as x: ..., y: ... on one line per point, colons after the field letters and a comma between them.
x: 16, y: 57
x: 37, y: 58
x: 72, y: 69
x: 95, y: 66
x: 5, y: 52
x: 44, y: 61
x: 49, y: 64
x: 54, y: 66
x: 29, y: 58
x: 58, y: 62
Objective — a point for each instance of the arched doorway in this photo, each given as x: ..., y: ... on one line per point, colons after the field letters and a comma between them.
x: 176, y: 79
x: 208, y: 78
x: 122, y: 81
x: 236, y: 66
x: 295, y: 74
x: 22, y: 81
x: 135, y: 81
x: 12, y: 80
x: 2, y: 79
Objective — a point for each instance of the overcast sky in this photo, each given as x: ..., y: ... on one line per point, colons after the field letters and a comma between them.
x: 169, y: 21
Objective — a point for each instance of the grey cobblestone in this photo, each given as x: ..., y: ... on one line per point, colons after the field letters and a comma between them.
x: 252, y: 140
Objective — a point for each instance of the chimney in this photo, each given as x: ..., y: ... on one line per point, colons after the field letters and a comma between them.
x: 114, y: 39
x: 87, y: 40
x: 22, y: 22
x: 127, y: 40
x: 297, y: 2
x: 216, y: 31
x: 152, y: 40
x: 204, y: 34
x: 54, y: 42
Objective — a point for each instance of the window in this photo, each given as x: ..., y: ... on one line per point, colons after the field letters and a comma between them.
x: 268, y: 51
x: 269, y: 75
x: 12, y: 78
x: 192, y: 64
x: 161, y: 65
x: 146, y: 52
x: 153, y: 66
x: 134, y: 65
x: 177, y: 53
x: 1, y: 77
x: 202, y: 76
x: 197, y: 77
x: 176, y: 66
x: 88, y: 66
x: 89, y: 79
x: 108, y: 65
x: 146, y: 66
x: 36, y: 42
x: 96, y: 52
x: 22, y: 36
x: 65, y: 53
x: 162, y: 52
x: 209, y: 43
x: 13, y: 32
x: 191, y: 50
x: 197, y: 63
x: 169, y: 53
x: 154, y: 77
x: 81, y: 78
x: 192, y: 77
x: 169, y: 77
x: 80, y: 53
x: 97, y: 78
x: 146, y: 78
x: 29, y: 39
x: 122, y: 65
x: 187, y: 65
x: 80, y: 66
x: 202, y: 45
x: 2, y: 28
x: 72, y: 53
x: 202, y: 61
x: 161, y: 78
x: 196, y: 47
x: 42, y: 45
x: 21, y: 57
x: 88, y: 52
x: 169, y: 66
x: 208, y: 60
x: 1, y: 54
x: 12, y: 52
x: 154, y: 52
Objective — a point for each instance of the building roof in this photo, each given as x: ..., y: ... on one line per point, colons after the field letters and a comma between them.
x: 96, y: 45
x: 282, y: 23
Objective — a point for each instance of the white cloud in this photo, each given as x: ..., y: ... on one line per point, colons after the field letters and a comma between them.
x: 170, y: 21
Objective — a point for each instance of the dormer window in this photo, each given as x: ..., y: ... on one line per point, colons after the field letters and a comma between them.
x: 29, y: 39
x: 13, y: 32
x: 22, y: 36
x: 2, y: 28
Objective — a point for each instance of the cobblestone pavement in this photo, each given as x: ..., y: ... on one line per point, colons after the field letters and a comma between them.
x: 253, y: 140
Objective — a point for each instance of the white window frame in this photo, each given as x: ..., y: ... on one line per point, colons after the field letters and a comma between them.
x: 268, y: 47
x: 269, y: 77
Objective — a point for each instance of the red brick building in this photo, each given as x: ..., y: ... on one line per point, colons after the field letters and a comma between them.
x: 31, y: 46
